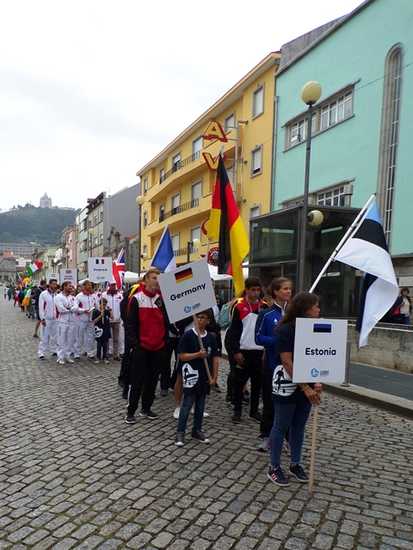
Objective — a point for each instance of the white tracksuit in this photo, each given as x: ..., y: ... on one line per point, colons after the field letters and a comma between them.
x: 48, y: 314
x: 84, y: 327
x: 116, y: 342
x: 65, y: 326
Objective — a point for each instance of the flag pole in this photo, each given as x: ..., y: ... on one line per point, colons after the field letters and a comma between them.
x: 349, y: 233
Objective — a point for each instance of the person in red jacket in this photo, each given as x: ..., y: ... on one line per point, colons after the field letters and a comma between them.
x: 243, y: 352
x: 146, y: 333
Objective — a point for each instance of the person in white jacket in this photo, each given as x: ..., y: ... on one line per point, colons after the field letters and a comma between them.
x: 84, y: 304
x: 65, y: 302
x: 48, y: 317
x: 114, y: 298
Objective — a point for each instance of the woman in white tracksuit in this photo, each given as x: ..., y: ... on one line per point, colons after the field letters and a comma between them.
x: 65, y: 324
x: 48, y: 318
x: 85, y: 303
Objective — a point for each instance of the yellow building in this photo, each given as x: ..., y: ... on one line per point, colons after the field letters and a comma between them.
x: 177, y: 184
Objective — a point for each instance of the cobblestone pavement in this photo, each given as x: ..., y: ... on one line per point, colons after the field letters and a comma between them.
x: 73, y: 475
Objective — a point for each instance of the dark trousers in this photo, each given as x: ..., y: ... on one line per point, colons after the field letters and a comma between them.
x: 171, y: 347
x: 197, y: 397
x: 250, y: 370
x: 143, y: 378
x: 230, y: 381
x: 102, y: 349
x: 123, y: 377
x: 267, y: 402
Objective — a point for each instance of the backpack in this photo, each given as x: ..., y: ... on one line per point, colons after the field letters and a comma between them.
x: 226, y: 313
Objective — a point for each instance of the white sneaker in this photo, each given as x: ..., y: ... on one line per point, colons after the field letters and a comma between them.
x: 60, y: 362
x: 206, y: 414
x: 96, y: 361
x: 70, y: 360
x: 176, y: 413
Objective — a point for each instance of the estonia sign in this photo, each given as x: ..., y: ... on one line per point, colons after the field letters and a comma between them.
x: 187, y: 290
x: 320, y: 350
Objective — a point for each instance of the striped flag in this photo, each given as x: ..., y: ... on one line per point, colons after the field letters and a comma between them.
x: 225, y: 226
x: 367, y: 250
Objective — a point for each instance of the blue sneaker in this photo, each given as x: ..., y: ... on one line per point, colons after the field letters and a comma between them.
x: 277, y: 476
x: 299, y: 473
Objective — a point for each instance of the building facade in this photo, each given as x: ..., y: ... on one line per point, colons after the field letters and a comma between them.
x: 361, y: 124
x: 81, y: 243
x: 69, y: 247
x: 95, y: 225
x: 176, y: 185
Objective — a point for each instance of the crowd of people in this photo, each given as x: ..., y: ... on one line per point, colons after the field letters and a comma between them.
x: 133, y: 327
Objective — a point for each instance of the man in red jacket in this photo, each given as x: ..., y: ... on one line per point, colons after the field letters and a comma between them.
x: 146, y: 332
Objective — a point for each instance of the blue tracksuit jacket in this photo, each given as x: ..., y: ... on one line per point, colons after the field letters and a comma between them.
x: 266, y: 336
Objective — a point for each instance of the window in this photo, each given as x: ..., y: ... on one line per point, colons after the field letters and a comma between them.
x: 231, y: 175
x: 161, y: 212
x: 328, y: 114
x: 254, y: 211
x: 96, y: 240
x: 145, y: 219
x: 95, y: 219
x: 196, y: 148
x: 175, y: 203
x: 145, y: 250
x: 101, y: 238
x: 196, y: 193
x: 176, y: 162
x: 145, y: 184
x: 256, y: 160
x: 101, y: 215
x: 196, y: 234
x: 337, y: 196
x: 258, y: 102
x: 389, y: 139
x: 175, y: 242
x: 161, y: 175
x: 229, y: 123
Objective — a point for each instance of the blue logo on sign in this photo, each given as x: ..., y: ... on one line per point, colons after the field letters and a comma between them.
x: 187, y: 309
x: 314, y: 372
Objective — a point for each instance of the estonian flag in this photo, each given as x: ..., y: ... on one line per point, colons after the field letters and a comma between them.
x: 225, y: 226
x: 367, y: 250
x: 164, y: 258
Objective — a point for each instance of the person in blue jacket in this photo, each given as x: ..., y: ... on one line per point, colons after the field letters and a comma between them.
x: 280, y: 291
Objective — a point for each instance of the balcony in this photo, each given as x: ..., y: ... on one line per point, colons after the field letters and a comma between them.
x: 179, y: 165
x: 194, y: 203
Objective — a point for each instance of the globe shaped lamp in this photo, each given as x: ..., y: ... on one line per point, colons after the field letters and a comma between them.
x: 311, y: 92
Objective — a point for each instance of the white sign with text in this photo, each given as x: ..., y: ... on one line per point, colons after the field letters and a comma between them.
x: 187, y: 290
x: 68, y: 275
x: 100, y: 269
x: 320, y: 351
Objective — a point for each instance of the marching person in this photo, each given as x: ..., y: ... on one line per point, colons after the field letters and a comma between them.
x: 48, y: 317
x: 113, y: 298
x: 147, y: 333
x: 85, y: 303
x: 245, y: 354
x: 65, y: 302
x: 102, y: 317
x: 35, y: 297
x: 195, y: 380
x: 265, y: 335
x: 292, y: 402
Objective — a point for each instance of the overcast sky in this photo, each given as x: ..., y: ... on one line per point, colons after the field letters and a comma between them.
x: 91, y: 90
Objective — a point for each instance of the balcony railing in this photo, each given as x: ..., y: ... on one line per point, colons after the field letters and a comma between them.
x: 179, y: 165
x: 184, y: 251
x: 194, y: 203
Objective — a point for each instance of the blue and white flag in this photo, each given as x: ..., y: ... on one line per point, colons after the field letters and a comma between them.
x: 164, y: 258
x: 367, y: 251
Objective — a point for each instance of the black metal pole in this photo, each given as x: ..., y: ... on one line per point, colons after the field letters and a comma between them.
x: 188, y: 252
x: 303, y: 219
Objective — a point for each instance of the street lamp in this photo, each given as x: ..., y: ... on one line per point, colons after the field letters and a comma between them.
x: 139, y: 201
x: 190, y: 245
x: 310, y: 94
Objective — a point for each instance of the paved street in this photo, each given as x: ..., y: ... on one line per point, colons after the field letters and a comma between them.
x: 73, y: 475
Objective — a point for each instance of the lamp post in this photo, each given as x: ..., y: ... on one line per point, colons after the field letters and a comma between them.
x: 139, y: 201
x: 310, y: 94
x: 190, y: 245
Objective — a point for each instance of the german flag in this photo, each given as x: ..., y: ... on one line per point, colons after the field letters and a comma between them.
x: 225, y: 226
x: 184, y: 275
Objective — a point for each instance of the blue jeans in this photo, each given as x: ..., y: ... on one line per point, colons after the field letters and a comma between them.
x: 289, y: 416
x: 197, y: 397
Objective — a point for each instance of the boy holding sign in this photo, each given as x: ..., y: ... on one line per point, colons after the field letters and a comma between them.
x: 193, y: 348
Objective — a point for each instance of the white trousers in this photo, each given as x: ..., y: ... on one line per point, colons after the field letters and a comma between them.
x: 48, y: 342
x: 65, y: 340
x: 84, y: 338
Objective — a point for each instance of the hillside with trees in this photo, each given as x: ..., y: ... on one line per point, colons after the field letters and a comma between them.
x: 32, y: 224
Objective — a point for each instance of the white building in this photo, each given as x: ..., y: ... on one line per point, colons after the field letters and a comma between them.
x: 45, y: 201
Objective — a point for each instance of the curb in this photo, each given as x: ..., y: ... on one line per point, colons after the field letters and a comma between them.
x: 392, y: 403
